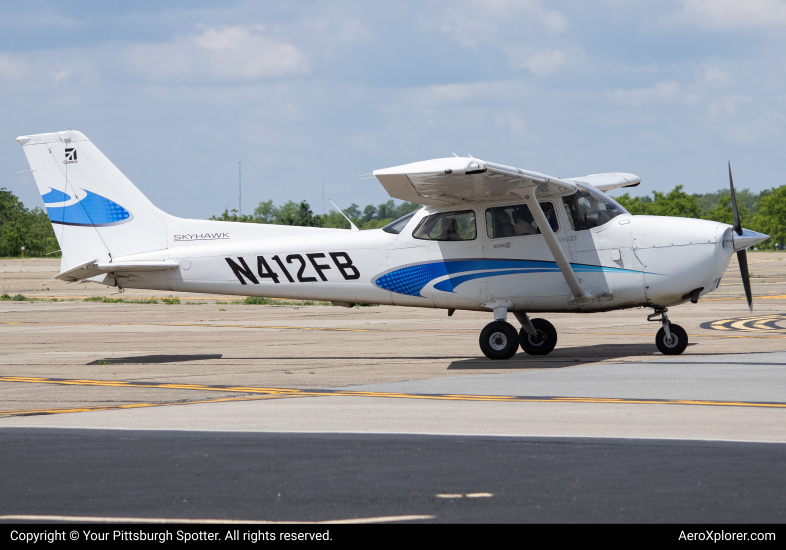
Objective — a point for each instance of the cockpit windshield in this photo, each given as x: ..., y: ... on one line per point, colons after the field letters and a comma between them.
x: 588, y: 208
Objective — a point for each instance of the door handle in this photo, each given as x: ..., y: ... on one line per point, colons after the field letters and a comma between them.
x: 505, y: 245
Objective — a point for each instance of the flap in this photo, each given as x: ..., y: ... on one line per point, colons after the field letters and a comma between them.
x: 458, y: 179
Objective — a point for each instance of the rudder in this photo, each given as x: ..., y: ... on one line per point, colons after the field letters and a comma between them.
x: 95, y: 210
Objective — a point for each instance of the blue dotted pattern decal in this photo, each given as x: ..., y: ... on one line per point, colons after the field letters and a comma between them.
x: 93, y: 210
x: 411, y: 280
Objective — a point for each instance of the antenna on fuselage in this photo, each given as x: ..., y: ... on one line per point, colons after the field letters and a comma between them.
x: 353, y: 226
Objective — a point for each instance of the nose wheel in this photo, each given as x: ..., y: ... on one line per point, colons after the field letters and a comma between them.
x: 671, y: 339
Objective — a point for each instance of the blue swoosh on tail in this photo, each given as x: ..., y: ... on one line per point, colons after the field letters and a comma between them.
x: 93, y: 210
x: 55, y: 196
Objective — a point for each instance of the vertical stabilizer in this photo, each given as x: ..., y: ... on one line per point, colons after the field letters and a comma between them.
x: 96, y: 212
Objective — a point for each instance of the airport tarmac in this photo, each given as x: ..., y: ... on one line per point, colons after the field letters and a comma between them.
x: 390, y: 406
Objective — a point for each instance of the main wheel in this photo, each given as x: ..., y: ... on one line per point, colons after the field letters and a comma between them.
x: 498, y: 340
x: 541, y: 344
x: 677, y: 344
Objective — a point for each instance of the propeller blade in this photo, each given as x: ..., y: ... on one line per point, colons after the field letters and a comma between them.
x: 737, y: 224
x: 742, y: 259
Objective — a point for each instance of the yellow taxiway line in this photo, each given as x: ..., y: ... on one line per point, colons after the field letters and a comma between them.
x: 267, y: 393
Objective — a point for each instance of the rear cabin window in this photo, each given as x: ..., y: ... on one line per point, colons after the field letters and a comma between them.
x: 447, y: 226
x: 588, y: 208
x: 516, y: 220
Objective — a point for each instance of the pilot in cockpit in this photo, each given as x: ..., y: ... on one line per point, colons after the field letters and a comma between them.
x: 503, y: 227
x: 523, y: 222
x: 449, y: 229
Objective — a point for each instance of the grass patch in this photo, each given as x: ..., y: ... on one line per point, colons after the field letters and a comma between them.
x: 261, y: 301
x: 102, y: 362
x: 18, y: 298
x: 105, y: 300
x: 217, y: 302
x: 195, y: 303
x: 170, y: 301
x: 5, y: 297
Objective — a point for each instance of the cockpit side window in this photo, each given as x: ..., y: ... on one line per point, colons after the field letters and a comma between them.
x: 516, y: 220
x: 447, y: 226
x: 588, y: 208
x: 398, y: 225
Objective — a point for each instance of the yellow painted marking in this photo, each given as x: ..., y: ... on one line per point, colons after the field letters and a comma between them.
x: 291, y: 392
x: 27, y: 412
x: 759, y: 323
x: 101, y: 519
x: 266, y: 327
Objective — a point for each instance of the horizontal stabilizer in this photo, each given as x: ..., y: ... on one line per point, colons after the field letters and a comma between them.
x: 94, y: 267
x: 610, y: 180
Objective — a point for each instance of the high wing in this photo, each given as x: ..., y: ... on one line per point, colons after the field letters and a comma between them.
x: 609, y: 181
x: 458, y: 179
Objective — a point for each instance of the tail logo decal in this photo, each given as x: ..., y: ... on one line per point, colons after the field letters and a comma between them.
x: 92, y: 210
x: 70, y: 156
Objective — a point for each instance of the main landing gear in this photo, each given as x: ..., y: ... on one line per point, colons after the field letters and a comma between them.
x: 500, y: 340
x: 671, y: 339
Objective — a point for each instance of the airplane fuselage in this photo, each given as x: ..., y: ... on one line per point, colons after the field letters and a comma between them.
x: 629, y: 261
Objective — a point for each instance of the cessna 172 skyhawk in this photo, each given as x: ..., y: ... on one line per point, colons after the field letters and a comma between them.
x: 491, y: 238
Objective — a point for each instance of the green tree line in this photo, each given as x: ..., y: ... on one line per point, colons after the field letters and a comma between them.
x: 20, y: 226
x: 299, y: 213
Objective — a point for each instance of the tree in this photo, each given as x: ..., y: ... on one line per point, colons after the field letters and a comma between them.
x: 20, y: 227
x: 265, y: 212
x: 634, y: 205
x: 771, y: 217
x: 722, y: 213
x: 674, y: 203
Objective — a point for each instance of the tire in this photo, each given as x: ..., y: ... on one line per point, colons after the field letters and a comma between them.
x: 677, y: 345
x: 539, y: 346
x: 498, y: 340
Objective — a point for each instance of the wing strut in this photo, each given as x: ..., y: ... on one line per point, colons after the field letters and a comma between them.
x: 579, y: 295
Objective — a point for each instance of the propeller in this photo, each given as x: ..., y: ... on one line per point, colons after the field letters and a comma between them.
x: 742, y: 256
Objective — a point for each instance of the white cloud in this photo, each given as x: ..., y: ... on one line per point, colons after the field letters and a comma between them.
x: 228, y: 53
x: 545, y: 62
x: 662, y: 91
x: 730, y: 14
x: 13, y: 67
x: 727, y: 105
x: 483, y: 21
x: 715, y: 77
x: 339, y: 29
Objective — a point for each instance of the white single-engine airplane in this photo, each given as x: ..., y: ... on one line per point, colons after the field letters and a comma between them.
x: 490, y: 238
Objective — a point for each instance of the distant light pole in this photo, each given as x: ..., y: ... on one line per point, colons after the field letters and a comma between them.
x: 239, y: 191
x: 23, y: 251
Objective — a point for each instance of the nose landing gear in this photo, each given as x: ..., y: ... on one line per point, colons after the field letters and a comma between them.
x: 671, y: 339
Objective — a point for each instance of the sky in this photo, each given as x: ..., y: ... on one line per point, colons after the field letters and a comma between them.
x: 176, y: 93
